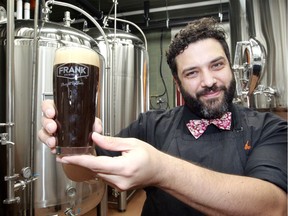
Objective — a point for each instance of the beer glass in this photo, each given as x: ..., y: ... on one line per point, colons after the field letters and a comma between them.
x: 75, y: 88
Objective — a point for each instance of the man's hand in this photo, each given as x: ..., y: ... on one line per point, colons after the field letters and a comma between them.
x: 138, y: 166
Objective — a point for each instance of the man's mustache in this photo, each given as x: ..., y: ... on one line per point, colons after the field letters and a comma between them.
x: 207, y: 90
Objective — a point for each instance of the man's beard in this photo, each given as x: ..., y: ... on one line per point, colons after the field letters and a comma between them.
x: 211, y: 108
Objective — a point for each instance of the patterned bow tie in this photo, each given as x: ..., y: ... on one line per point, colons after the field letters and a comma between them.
x: 198, y: 127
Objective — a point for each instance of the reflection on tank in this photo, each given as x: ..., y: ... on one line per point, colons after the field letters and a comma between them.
x: 260, y: 56
x: 248, y: 66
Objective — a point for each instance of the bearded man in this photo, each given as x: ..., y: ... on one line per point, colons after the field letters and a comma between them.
x: 208, y: 157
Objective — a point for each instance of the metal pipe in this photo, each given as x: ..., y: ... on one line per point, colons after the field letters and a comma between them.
x: 174, y: 7
x: 85, y: 14
x: 112, y: 77
x: 115, y: 18
x: 10, y: 178
x: 34, y: 99
x: 131, y: 23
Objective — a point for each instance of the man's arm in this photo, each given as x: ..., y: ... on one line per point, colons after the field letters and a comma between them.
x: 217, y: 193
x: 211, y: 192
x: 142, y: 165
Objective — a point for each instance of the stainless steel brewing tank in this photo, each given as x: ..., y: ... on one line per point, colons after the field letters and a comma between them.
x: 265, y: 21
x: 53, y: 192
x: 128, y: 80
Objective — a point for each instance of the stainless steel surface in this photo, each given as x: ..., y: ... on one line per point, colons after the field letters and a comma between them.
x: 265, y: 21
x: 56, y: 195
x: 50, y: 188
x: 128, y: 82
x: 127, y: 24
x: 256, y: 56
x: 104, y: 113
x: 248, y: 66
x: 11, y: 177
x: 128, y: 77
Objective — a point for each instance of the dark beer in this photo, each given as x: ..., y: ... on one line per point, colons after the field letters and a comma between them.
x: 75, y: 87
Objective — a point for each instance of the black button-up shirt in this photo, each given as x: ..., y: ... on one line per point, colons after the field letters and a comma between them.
x: 256, y: 146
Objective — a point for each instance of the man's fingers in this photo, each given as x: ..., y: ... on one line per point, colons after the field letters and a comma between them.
x: 112, y: 143
x: 98, y: 164
x: 48, y: 108
x: 50, y: 141
x: 49, y: 125
x: 97, y: 125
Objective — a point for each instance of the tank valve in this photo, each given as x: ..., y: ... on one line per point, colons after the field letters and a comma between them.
x: 69, y: 212
x: 67, y: 19
x: 26, y: 173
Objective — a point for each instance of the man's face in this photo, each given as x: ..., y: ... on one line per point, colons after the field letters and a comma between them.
x: 206, y: 81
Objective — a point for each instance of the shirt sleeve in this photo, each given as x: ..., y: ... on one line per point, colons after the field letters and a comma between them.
x: 268, y: 157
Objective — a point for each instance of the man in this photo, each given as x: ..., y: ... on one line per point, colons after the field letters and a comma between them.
x: 240, y: 169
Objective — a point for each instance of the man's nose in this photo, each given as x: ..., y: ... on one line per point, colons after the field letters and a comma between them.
x: 208, y: 79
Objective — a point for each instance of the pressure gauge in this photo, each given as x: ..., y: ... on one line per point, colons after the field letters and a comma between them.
x: 71, y: 192
x: 26, y: 172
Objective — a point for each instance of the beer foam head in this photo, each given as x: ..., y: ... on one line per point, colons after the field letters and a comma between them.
x: 74, y: 54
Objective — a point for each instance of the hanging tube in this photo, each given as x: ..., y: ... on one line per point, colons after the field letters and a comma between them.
x: 126, y: 21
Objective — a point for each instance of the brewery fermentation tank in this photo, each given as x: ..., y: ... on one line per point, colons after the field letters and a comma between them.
x: 128, y: 84
x: 264, y: 21
x: 52, y: 192
x: 128, y: 80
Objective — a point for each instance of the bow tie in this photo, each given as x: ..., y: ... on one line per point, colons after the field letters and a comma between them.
x: 198, y: 127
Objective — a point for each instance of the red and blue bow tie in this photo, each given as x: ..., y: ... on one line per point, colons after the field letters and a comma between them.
x: 198, y: 127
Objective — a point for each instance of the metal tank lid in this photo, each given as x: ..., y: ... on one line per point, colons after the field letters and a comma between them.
x: 50, y: 31
x: 120, y: 34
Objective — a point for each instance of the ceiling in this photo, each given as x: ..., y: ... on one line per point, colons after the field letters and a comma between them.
x: 147, y: 14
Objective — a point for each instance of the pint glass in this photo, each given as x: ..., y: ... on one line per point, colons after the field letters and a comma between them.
x: 75, y: 89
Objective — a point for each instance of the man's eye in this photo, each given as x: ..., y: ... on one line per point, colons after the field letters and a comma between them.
x: 191, y: 73
x: 218, y: 65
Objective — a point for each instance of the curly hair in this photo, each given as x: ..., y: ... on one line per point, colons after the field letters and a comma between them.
x: 196, y: 30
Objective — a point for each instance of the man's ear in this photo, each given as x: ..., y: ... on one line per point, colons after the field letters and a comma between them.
x: 176, y: 83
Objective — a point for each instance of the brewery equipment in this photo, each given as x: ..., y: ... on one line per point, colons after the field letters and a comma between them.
x: 35, y: 44
x: 53, y: 193
x: 260, y: 29
x: 127, y: 82
x: 129, y: 74
x: 248, y: 66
